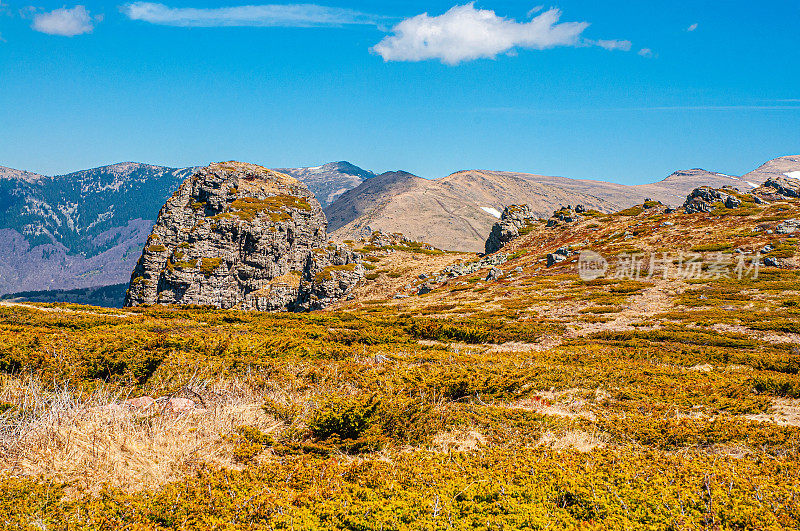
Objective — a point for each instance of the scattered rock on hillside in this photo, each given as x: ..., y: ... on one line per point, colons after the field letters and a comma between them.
x: 784, y: 186
x: 515, y: 218
x: 559, y: 256
x: 238, y: 235
x: 788, y: 227
x: 494, y: 274
x: 565, y: 214
x: 772, y: 262
x: 395, y: 241
x: 457, y: 270
x: 703, y: 199
x: 426, y: 288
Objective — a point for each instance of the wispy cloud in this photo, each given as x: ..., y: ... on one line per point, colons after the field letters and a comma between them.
x: 275, y: 15
x: 535, y: 10
x: 624, y: 46
x: 692, y: 27
x: 64, y: 22
x: 646, y: 52
x: 464, y: 33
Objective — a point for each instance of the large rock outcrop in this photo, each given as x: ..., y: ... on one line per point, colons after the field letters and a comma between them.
x: 238, y: 235
x: 704, y: 199
x: 776, y: 188
x: 515, y: 218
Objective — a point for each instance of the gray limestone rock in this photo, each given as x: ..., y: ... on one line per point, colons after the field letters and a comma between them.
x: 238, y: 235
x: 559, y: 256
x: 703, y: 199
x: 494, y: 274
x: 513, y: 219
x: 788, y: 227
x: 785, y: 186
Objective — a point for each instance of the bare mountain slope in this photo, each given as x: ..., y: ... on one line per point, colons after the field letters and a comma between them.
x: 783, y: 166
x: 457, y: 211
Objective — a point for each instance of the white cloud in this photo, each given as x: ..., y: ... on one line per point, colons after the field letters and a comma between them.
x: 465, y: 33
x: 288, y: 15
x: 65, y: 22
x: 625, y: 46
x: 646, y: 52
x: 692, y: 27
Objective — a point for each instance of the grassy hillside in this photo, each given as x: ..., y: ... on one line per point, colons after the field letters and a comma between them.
x: 538, y: 400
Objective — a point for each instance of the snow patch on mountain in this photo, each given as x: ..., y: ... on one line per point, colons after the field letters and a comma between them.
x: 492, y: 211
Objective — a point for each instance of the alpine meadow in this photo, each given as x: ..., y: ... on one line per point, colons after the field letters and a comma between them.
x: 242, y: 336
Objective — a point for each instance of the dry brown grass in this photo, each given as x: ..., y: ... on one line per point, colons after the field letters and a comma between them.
x: 459, y: 440
x: 569, y: 403
x: 579, y: 440
x: 98, y: 440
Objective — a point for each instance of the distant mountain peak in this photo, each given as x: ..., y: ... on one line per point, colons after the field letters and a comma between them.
x: 346, y: 167
x: 330, y: 180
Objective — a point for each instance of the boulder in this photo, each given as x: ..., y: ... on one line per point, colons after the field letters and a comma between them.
x: 494, y: 274
x: 237, y: 235
x: 732, y: 202
x: 558, y: 256
x: 457, y: 270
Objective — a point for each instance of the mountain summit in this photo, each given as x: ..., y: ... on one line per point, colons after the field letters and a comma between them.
x: 331, y: 180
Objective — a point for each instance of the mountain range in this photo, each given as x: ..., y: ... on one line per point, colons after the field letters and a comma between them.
x: 457, y: 212
x: 85, y: 229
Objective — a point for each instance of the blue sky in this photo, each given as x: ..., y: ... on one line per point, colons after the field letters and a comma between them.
x: 645, y: 89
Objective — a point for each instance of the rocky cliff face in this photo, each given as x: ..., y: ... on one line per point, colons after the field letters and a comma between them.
x: 513, y: 219
x: 238, y: 235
